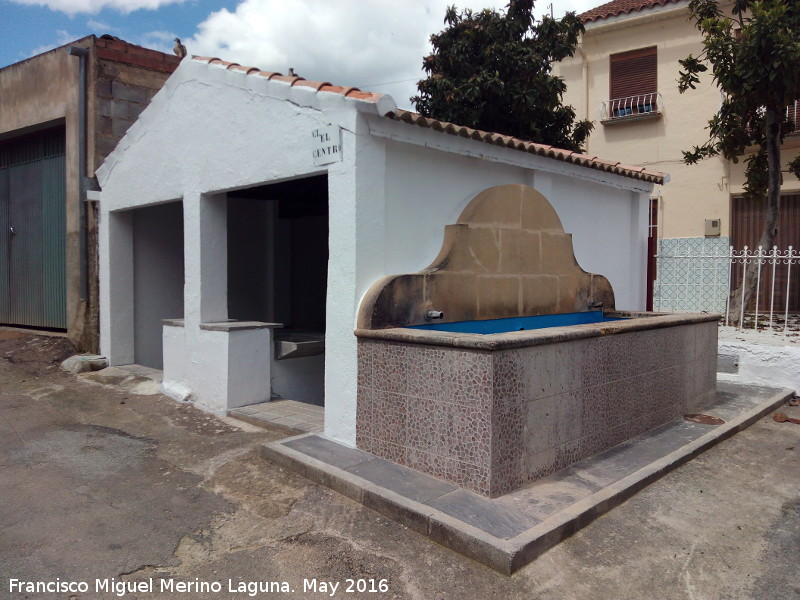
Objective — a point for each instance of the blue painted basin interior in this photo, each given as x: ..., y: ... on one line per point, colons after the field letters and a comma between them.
x: 519, y: 323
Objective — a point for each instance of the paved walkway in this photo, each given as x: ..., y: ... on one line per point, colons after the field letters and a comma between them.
x: 293, y: 416
x: 508, y: 532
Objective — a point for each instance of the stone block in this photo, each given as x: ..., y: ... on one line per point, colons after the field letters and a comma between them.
x: 83, y: 363
x: 557, y: 254
x: 104, y: 125
x: 103, y: 88
x: 538, y: 214
x: 119, y: 127
x: 470, y: 249
x: 519, y: 251
x: 398, y: 508
x: 539, y: 295
x: 498, y: 296
x: 499, y: 206
x: 128, y: 92
x: 452, y: 293
x: 119, y: 109
x: 104, y: 107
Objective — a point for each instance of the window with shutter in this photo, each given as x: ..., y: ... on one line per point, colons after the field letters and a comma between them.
x: 633, y: 83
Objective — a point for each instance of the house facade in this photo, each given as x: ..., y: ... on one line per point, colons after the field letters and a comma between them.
x: 246, y: 214
x: 623, y: 77
x: 61, y: 114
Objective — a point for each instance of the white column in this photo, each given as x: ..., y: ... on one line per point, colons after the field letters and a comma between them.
x: 640, y: 207
x: 205, y: 245
x: 116, y: 287
x: 356, y: 197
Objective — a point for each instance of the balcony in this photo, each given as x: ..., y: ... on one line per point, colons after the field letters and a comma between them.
x: 793, y: 118
x: 632, y: 108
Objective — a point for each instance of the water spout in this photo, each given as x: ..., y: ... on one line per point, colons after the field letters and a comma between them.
x: 431, y: 315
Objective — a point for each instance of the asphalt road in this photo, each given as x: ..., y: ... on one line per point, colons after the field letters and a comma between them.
x: 104, y: 487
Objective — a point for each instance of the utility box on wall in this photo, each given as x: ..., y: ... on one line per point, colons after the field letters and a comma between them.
x: 712, y: 227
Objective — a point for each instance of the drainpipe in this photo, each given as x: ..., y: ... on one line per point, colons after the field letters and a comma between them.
x: 585, y: 70
x: 585, y: 65
x: 83, y: 55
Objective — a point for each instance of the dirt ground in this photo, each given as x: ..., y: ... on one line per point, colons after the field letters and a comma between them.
x: 99, y: 483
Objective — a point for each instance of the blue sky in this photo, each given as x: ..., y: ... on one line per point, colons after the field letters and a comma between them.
x: 377, y: 45
x: 28, y: 30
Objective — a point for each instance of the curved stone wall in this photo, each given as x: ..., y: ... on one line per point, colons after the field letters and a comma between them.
x: 506, y: 256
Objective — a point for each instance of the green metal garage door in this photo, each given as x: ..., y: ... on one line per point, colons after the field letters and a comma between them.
x: 33, y: 231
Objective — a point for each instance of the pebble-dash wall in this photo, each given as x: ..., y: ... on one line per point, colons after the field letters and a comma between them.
x: 491, y: 421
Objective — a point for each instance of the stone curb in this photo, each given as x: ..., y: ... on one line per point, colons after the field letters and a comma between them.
x: 505, y: 556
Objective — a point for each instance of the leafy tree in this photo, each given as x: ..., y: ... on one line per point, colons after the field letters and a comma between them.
x: 492, y: 70
x: 754, y: 55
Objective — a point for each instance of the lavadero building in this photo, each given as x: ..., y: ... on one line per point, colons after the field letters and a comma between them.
x: 245, y: 216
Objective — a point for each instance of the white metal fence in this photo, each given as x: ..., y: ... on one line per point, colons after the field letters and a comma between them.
x: 698, y: 279
x: 642, y: 104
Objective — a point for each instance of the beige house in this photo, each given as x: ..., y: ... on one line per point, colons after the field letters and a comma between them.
x: 61, y: 113
x: 623, y: 77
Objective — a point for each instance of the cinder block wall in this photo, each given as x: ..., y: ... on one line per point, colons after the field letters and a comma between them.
x: 127, y: 77
x: 124, y: 80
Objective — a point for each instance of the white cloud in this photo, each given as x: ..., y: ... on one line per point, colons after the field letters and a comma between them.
x: 101, y: 27
x: 377, y: 45
x: 73, y: 7
x: 62, y: 37
x: 161, y: 36
x: 347, y: 42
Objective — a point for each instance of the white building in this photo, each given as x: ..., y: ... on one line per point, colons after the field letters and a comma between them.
x: 241, y: 199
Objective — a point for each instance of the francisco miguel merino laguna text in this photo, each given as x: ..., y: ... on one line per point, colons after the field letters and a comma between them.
x: 149, y: 586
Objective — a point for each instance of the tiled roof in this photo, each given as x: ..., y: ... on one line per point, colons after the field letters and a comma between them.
x: 319, y: 86
x: 620, y: 7
x: 497, y: 139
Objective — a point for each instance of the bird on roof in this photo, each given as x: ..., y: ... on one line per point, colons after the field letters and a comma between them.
x: 179, y: 49
x: 292, y: 73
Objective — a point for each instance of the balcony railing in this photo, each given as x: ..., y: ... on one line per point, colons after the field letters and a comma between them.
x: 793, y: 118
x: 632, y: 107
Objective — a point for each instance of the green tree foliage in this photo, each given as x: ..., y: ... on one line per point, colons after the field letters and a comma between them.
x: 493, y: 71
x: 753, y: 53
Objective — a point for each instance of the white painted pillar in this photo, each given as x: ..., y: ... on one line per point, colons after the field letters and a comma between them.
x: 116, y: 287
x: 640, y: 205
x: 205, y: 367
x: 205, y: 258
x: 357, y: 200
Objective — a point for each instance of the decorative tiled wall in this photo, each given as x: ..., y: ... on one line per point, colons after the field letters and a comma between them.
x: 692, y: 274
x: 492, y: 421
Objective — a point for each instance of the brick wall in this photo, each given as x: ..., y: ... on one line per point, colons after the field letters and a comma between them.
x: 127, y: 78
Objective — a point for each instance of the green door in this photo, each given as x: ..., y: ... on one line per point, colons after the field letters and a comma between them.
x: 33, y: 231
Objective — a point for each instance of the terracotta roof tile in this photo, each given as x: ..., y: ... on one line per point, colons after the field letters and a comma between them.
x: 506, y: 141
x: 319, y: 86
x: 267, y: 74
x: 445, y: 127
x: 290, y: 79
x: 316, y: 85
x: 241, y: 69
x: 620, y: 7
